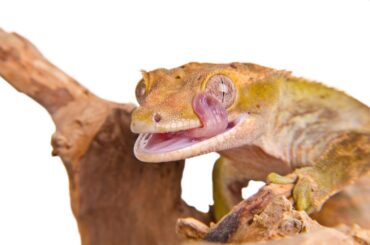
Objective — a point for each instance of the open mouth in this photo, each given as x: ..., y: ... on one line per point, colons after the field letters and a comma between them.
x: 159, y: 143
x: 215, y: 133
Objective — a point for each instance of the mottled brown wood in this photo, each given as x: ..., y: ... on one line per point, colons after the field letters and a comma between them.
x: 237, y: 222
x: 115, y: 198
x: 321, y: 236
x: 269, y: 217
x: 279, y: 223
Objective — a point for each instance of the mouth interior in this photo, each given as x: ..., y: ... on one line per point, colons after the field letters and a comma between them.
x: 167, y: 142
x: 214, y: 120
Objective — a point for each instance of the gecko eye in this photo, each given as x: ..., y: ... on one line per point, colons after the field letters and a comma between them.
x: 140, y: 91
x: 222, y: 88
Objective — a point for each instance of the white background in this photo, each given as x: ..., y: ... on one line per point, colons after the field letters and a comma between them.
x: 104, y: 44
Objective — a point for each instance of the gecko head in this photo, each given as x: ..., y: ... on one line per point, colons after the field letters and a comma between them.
x: 199, y: 108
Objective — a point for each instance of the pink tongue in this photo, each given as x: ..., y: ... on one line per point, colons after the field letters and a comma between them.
x: 212, y: 115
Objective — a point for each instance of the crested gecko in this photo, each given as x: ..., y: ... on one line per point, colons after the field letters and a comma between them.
x: 266, y: 124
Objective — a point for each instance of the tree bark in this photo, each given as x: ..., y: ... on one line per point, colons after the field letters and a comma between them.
x: 269, y: 218
x: 115, y: 198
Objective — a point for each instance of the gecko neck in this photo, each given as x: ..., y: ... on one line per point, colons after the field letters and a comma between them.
x: 308, y: 117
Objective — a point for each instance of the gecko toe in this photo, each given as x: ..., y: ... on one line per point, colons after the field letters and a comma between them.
x: 279, y: 179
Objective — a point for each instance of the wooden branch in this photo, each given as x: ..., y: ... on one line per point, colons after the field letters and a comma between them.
x: 236, y: 223
x: 24, y: 67
x: 269, y: 218
x: 115, y: 198
x: 320, y: 236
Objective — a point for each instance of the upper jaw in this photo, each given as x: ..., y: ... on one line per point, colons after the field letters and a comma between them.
x: 140, y: 127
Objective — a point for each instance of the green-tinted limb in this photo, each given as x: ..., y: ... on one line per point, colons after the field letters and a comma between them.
x: 345, y: 161
x: 349, y: 206
x: 227, y: 185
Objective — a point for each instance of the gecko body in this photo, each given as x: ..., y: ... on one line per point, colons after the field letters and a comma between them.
x: 264, y: 123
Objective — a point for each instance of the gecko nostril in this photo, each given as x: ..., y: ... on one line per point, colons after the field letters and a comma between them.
x: 157, y: 117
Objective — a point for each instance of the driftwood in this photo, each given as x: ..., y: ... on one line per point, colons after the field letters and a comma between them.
x: 268, y: 217
x: 117, y: 199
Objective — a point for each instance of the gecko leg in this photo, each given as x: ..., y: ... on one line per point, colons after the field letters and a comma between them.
x: 227, y: 185
x: 349, y: 206
x: 346, y: 160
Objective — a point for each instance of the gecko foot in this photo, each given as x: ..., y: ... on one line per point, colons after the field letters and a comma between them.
x: 310, y: 188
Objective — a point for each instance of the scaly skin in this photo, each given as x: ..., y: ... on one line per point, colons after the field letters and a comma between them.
x: 315, y: 135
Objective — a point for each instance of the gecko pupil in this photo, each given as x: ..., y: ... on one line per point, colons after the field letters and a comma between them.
x: 222, y: 87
